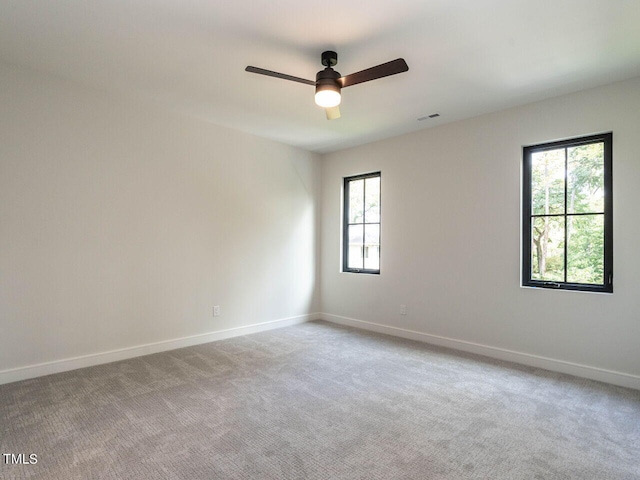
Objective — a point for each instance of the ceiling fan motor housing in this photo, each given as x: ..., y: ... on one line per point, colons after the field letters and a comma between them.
x: 328, y: 87
x: 328, y: 79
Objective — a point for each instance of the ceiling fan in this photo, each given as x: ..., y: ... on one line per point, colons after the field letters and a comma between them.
x: 329, y: 82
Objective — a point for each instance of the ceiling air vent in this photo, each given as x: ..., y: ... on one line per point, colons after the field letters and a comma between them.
x: 433, y: 115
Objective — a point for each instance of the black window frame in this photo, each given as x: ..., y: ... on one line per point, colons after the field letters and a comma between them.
x: 345, y: 223
x: 527, y: 216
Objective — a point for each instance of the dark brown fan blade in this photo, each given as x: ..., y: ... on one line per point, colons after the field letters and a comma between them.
x: 269, y: 73
x: 373, y: 73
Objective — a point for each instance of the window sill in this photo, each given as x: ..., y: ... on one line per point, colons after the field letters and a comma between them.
x: 546, y: 289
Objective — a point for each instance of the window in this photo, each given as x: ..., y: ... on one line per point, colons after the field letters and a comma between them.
x: 568, y: 214
x: 361, y: 226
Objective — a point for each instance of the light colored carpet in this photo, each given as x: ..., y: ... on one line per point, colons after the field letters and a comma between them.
x: 319, y: 401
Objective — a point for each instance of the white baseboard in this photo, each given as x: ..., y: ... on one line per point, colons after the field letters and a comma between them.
x: 561, y: 366
x: 584, y: 371
x: 41, y: 369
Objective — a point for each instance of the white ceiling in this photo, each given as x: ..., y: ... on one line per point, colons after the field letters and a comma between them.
x: 466, y: 57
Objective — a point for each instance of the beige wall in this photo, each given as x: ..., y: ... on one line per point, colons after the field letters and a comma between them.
x: 122, y: 226
x: 451, y: 237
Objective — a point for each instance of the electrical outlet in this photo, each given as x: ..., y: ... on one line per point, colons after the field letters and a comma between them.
x: 403, y: 309
x: 216, y: 310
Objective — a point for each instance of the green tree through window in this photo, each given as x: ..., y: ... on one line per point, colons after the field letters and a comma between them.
x: 567, y: 231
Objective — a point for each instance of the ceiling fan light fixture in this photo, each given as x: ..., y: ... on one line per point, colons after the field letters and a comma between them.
x: 328, y: 86
x: 328, y: 96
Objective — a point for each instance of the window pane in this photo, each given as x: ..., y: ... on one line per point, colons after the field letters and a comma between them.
x: 356, y: 197
x: 361, y: 224
x: 356, y: 236
x: 372, y: 200
x: 585, y: 249
x: 547, y: 182
x: 585, y: 178
x: 372, y: 246
x: 547, y: 249
x: 566, y: 208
